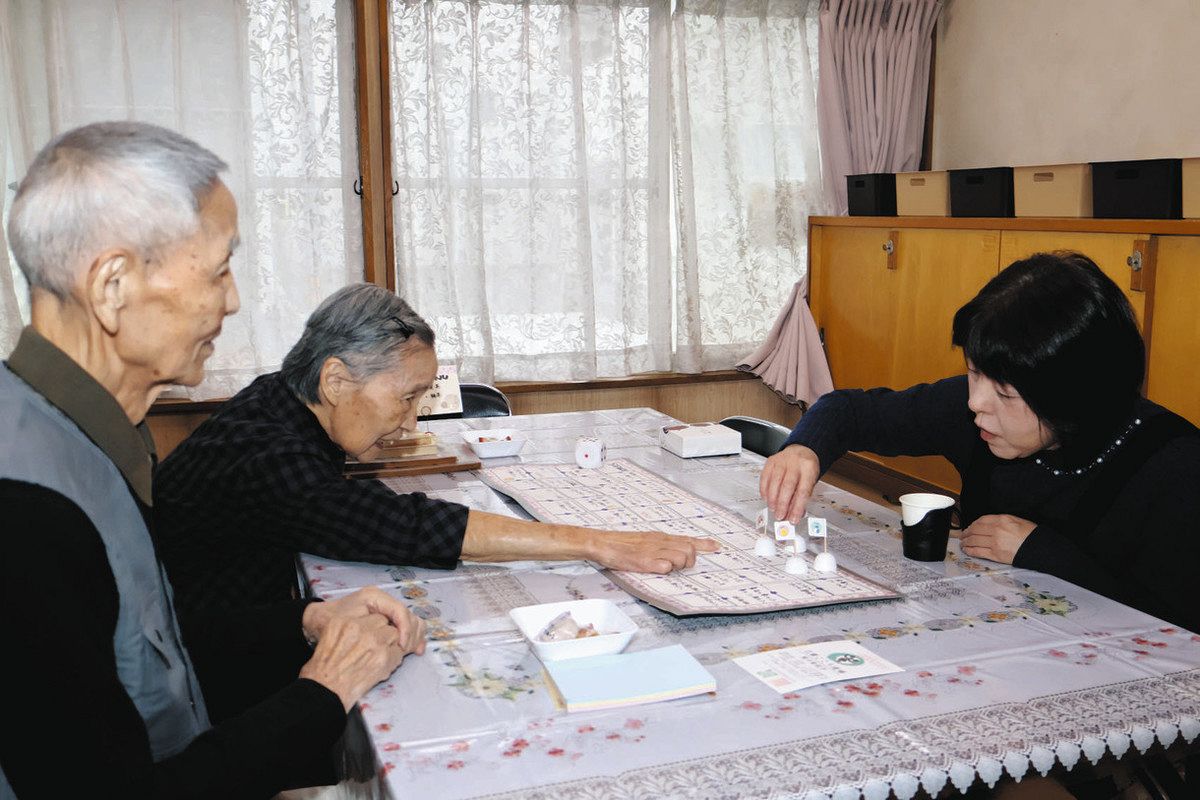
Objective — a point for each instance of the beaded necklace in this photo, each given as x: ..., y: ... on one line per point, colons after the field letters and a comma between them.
x: 1120, y: 440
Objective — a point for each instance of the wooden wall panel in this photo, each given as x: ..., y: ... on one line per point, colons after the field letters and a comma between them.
x: 169, y: 430
x: 690, y: 402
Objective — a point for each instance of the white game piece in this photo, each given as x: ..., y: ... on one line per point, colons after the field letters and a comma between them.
x: 796, y: 565
x: 589, y: 452
x: 825, y: 562
x: 764, y: 547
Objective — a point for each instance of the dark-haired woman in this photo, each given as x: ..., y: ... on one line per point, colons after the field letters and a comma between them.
x: 1066, y: 468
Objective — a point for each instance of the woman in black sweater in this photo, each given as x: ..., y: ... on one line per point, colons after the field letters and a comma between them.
x: 1066, y: 468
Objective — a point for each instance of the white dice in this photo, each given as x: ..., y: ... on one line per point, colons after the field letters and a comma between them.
x: 589, y: 452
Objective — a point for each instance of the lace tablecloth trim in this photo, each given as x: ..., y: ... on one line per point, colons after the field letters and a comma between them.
x: 985, y: 743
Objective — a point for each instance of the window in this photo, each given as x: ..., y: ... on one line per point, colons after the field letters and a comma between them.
x: 598, y: 189
x: 569, y: 189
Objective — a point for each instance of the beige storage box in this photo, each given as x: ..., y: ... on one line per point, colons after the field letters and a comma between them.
x: 1191, y: 188
x: 1057, y: 190
x: 923, y: 194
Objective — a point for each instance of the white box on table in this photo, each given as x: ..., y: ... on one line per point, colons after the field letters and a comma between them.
x: 702, y: 439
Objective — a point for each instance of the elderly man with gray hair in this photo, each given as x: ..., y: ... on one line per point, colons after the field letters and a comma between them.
x: 124, y: 232
x: 262, y: 479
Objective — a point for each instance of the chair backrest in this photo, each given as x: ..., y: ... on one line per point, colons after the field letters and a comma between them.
x: 482, y: 400
x: 758, y: 435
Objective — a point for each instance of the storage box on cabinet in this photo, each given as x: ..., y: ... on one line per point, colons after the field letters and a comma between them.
x: 1149, y: 189
x: 871, y: 195
x: 981, y: 192
x: 1057, y: 190
x: 923, y: 194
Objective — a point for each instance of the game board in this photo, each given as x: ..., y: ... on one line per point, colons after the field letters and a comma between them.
x: 622, y: 495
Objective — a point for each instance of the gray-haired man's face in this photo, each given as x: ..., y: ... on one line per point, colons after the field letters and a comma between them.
x: 183, y: 297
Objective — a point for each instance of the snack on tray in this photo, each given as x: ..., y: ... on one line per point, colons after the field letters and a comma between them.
x: 493, y: 439
x: 564, y: 627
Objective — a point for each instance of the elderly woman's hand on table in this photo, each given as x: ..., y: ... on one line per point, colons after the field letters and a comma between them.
x: 787, y: 481
x: 495, y: 537
x: 361, y: 639
x: 646, y: 551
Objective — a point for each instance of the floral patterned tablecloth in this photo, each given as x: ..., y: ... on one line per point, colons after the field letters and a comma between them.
x: 1005, y: 670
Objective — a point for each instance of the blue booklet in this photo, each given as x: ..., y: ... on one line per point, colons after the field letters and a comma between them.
x: 627, y: 679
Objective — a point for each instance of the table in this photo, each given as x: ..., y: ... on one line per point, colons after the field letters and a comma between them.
x: 1006, y: 670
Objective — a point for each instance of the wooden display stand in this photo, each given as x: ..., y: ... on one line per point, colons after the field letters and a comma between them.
x: 419, y: 454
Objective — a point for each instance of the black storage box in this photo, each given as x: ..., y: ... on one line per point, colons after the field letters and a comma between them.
x: 981, y: 192
x: 872, y: 195
x: 1151, y: 189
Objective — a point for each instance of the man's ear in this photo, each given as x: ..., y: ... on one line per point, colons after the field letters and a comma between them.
x: 336, y: 380
x: 109, y: 286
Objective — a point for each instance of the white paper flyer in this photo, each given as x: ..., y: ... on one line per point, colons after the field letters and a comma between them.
x: 793, y: 668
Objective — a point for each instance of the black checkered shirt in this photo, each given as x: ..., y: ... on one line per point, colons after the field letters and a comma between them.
x: 260, y: 481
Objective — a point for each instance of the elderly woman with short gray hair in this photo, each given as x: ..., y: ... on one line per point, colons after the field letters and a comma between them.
x: 262, y: 479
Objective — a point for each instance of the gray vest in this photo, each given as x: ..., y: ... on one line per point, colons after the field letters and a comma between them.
x: 40, y: 445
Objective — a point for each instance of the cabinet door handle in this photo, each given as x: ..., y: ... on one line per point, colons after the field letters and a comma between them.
x: 1140, y: 262
x: 889, y: 247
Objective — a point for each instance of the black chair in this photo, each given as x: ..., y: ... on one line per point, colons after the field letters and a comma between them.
x: 758, y: 435
x: 482, y: 400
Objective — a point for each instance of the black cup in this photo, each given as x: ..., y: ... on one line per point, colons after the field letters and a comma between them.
x: 926, y: 541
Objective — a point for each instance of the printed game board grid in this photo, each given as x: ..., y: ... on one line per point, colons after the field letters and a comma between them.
x: 621, y: 495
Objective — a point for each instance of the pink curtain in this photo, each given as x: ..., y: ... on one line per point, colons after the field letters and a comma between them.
x: 791, y: 361
x: 874, y: 77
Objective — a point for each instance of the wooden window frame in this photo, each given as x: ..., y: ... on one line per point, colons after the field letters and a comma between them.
x: 372, y: 81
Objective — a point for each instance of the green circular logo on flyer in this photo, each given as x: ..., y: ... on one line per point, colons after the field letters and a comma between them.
x: 846, y: 659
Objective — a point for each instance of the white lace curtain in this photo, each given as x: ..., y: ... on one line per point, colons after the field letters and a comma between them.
x: 10, y: 291
x: 265, y: 84
x: 601, y: 188
x: 587, y: 188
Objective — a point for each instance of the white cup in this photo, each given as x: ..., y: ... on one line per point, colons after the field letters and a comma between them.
x: 914, y: 507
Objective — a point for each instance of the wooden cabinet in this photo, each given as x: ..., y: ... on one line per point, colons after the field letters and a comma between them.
x: 1111, y: 252
x: 858, y: 335
x: 884, y: 301
x: 1173, y: 374
x: 938, y: 272
x: 886, y: 316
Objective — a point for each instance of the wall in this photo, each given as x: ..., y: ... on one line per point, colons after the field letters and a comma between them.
x: 1027, y: 82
